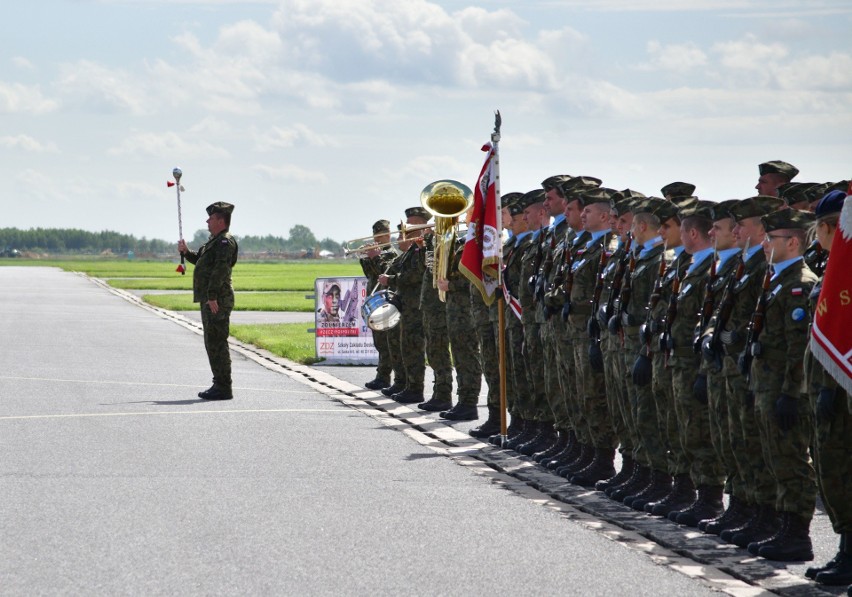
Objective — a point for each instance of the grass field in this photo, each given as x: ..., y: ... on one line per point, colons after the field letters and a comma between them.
x: 245, y: 301
x: 259, y: 286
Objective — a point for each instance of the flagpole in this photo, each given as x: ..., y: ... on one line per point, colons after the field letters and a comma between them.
x: 501, y: 312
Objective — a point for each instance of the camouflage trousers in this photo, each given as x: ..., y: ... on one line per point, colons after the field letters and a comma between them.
x: 556, y: 349
x: 694, y: 421
x: 534, y: 406
x: 650, y: 449
x: 438, y: 350
x: 786, y: 453
x: 385, y: 367
x: 616, y: 392
x: 516, y: 368
x: 664, y: 396
x: 591, y: 391
x: 217, y: 328
x: 757, y: 482
x: 392, y: 337
x: 487, y: 346
x: 720, y: 433
x: 465, y: 345
x: 412, y: 344
x: 833, y: 461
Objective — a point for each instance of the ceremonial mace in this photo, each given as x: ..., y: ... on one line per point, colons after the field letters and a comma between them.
x: 177, y: 174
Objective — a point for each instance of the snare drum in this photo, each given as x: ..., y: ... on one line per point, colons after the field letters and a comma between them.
x: 378, y: 311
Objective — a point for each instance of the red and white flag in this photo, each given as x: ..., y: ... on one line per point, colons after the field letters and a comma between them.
x: 831, y: 342
x: 480, y: 260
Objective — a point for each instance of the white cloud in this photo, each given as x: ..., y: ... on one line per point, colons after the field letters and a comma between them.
x: 16, y: 98
x: 674, y: 57
x: 22, y: 63
x: 749, y: 54
x: 95, y: 87
x: 169, y: 144
x: 832, y: 72
x: 27, y: 143
x: 290, y: 172
x: 297, y: 135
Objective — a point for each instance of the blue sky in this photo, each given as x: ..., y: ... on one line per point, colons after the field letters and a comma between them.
x: 335, y: 113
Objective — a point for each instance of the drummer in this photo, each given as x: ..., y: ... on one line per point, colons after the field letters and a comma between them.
x: 377, y: 257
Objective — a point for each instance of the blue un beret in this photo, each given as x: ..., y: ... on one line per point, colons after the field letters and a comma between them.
x: 831, y: 203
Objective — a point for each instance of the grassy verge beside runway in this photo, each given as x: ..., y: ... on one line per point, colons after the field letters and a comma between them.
x: 244, y: 301
x: 289, y: 340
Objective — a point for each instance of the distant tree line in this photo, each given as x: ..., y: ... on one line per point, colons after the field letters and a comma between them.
x: 75, y: 241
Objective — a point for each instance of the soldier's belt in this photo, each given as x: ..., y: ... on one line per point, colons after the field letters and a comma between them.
x: 773, y: 354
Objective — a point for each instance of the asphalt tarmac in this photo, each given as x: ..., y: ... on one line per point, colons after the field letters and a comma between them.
x: 116, y: 479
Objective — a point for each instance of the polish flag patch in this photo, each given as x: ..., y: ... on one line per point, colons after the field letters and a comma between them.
x: 797, y: 291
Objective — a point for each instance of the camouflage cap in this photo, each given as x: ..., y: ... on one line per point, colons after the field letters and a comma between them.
x: 418, y: 212
x: 515, y: 208
x: 664, y: 211
x: 683, y: 201
x: 220, y: 207
x: 578, y: 185
x: 785, y: 219
x: 678, y: 189
x: 531, y: 198
x: 830, y: 204
x: 754, y: 207
x: 699, y: 209
x: 623, y: 205
x: 552, y: 182
x: 722, y: 209
x: 381, y: 226
x: 651, y: 205
x: 795, y: 192
x: 630, y: 194
x: 597, y: 195
x: 778, y: 167
x: 509, y: 198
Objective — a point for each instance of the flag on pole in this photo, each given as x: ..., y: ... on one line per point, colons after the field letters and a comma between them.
x: 480, y: 260
x: 831, y: 342
x: 169, y: 184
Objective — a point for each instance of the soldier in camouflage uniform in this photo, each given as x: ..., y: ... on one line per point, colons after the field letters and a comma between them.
x: 753, y: 516
x: 784, y: 418
x: 590, y: 384
x: 832, y: 447
x: 641, y: 279
x: 211, y: 286
x: 437, y: 336
x: 772, y: 175
x: 406, y: 273
x: 373, y: 264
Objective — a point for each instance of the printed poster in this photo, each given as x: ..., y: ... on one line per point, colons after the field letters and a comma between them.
x: 342, y: 335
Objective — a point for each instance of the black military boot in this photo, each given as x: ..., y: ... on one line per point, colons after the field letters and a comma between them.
x: 627, y: 467
x: 601, y: 467
x: 408, y: 397
x: 708, y: 504
x: 436, y: 404
x: 812, y: 572
x: 218, y: 392
x: 207, y: 392
x: 553, y: 449
x: 737, y: 514
x: 638, y: 481
x: 490, y: 427
x: 792, y: 543
x: 841, y: 572
x: 546, y: 435
x: 682, y: 490
x: 377, y: 384
x: 568, y: 454
x: 584, y: 459
x: 396, y: 388
x: 461, y: 412
x: 657, y: 489
x: 529, y: 431
x: 763, y: 525
x: 516, y: 427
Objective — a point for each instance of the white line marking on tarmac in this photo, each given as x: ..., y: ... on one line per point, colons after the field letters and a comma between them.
x: 135, y: 383
x: 179, y: 412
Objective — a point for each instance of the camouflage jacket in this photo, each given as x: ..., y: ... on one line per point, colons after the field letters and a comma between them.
x: 211, y: 277
x: 689, y: 300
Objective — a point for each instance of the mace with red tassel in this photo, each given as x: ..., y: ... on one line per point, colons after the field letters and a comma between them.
x: 177, y: 174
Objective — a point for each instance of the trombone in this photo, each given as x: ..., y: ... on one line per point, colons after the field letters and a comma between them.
x: 362, y: 246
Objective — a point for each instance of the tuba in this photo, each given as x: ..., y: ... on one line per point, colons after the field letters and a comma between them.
x: 446, y: 200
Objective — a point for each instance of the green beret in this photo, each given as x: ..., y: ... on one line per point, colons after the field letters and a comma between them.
x: 418, y: 212
x: 678, y: 189
x: 699, y: 209
x: 531, y: 198
x: 381, y: 226
x: 722, y: 209
x: 597, y: 195
x: 755, y: 207
x: 510, y: 198
x: 795, y: 192
x: 220, y: 207
x: 552, y: 182
x: 784, y: 219
x: 653, y: 205
x: 778, y: 167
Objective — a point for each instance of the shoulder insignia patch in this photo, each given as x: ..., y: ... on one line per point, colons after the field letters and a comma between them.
x: 798, y: 314
x: 797, y: 291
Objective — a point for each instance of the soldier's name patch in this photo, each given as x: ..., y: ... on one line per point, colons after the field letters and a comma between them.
x: 798, y: 314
